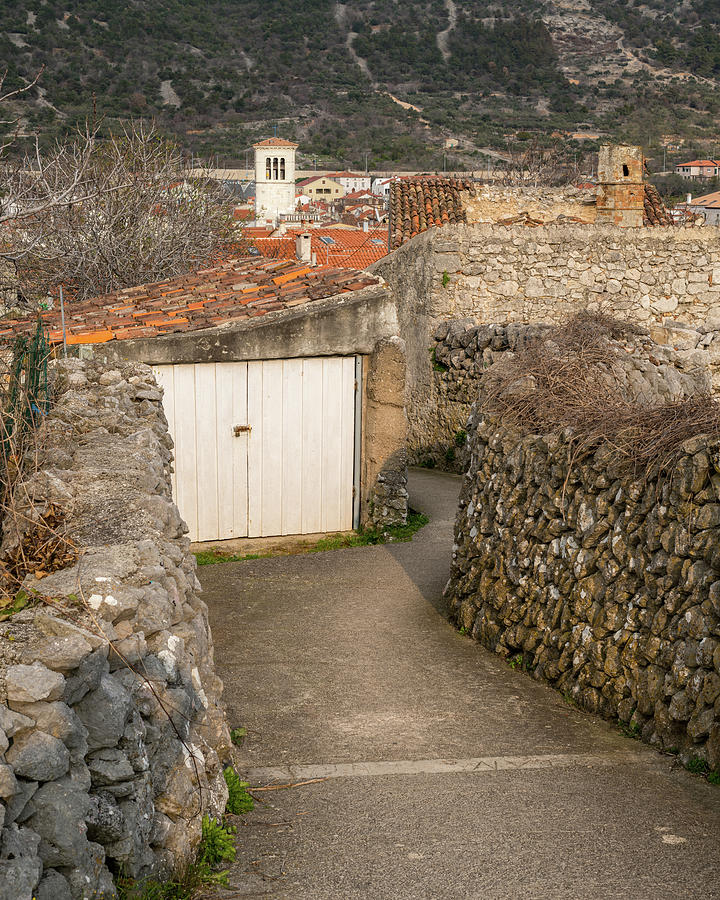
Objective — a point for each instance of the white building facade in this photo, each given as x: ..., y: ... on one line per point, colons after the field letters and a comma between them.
x: 274, y: 178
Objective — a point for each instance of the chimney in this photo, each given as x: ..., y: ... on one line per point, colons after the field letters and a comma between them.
x: 689, y: 198
x: 366, y: 226
x: 303, y: 243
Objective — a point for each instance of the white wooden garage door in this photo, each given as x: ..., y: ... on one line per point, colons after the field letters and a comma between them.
x: 262, y: 448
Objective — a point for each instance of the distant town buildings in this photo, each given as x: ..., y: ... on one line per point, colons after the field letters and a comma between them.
x: 699, y: 168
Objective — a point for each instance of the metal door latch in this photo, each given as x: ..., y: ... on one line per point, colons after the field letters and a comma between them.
x: 239, y: 429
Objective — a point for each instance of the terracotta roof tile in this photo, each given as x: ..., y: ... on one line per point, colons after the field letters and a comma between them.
x: 275, y: 142
x: 198, y: 300
x: 655, y: 211
x: 352, y: 248
x: 420, y: 203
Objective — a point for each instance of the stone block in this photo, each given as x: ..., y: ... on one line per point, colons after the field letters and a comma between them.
x: 27, y: 684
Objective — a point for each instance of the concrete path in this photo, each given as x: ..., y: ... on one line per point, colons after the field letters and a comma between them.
x: 445, y: 774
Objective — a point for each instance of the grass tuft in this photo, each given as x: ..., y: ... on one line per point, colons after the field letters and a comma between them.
x: 361, y: 538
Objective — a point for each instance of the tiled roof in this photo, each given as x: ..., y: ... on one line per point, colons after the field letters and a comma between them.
x: 351, y: 247
x: 655, y: 211
x: 418, y: 204
x: 231, y: 292
x: 707, y: 201
x: 275, y: 142
x: 700, y: 162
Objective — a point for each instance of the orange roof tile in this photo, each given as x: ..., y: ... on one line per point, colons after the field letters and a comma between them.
x: 275, y: 142
x: 233, y: 291
x: 419, y: 203
x: 350, y: 247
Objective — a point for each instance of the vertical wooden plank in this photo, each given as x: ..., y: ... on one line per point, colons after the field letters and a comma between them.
x: 240, y: 451
x: 331, y: 412
x: 291, y: 442
x: 165, y: 377
x: 272, y: 449
x: 312, y: 403
x: 225, y: 449
x: 185, y: 448
x: 206, y: 435
x: 347, y: 442
x: 255, y: 447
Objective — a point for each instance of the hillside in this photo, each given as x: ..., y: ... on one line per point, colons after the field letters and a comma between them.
x: 220, y: 73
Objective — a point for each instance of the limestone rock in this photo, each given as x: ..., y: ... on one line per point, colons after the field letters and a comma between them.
x: 26, y: 684
x: 39, y: 756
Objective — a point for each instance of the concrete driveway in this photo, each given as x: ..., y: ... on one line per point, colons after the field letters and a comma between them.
x: 435, y: 770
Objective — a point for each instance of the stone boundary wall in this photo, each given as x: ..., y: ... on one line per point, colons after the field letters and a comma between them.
x: 604, y: 585
x: 111, y: 729
x: 496, y: 274
x: 462, y: 351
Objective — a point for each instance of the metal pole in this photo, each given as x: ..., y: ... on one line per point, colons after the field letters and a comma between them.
x: 62, y: 320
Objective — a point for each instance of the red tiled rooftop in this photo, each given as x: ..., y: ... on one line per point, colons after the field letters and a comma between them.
x: 351, y: 247
x: 235, y: 291
x: 419, y: 203
x: 275, y: 142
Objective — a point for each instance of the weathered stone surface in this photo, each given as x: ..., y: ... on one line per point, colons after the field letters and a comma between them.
x: 20, y: 867
x: 604, y: 584
x: 26, y: 684
x: 53, y: 887
x: 39, y: 756
x: 62, y: 653
x: 104, y: 713
x: 100, y: 736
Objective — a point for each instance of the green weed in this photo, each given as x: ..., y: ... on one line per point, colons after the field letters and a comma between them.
x: 239, y: 801
x: 714, y: 777
x: 463, y: 630
x: 515, y: 662
x: 697, y: 766
x: 436, y: 364
x: 361, y: 538
x: 460, y: 438
x: 630, y: 729
x: 450, y: 456
x: 445, y: 279
x: 217, y: 845
x: 237, y: 735
x: 210, y: 557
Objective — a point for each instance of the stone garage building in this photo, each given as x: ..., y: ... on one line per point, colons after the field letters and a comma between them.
x: 283, y: 389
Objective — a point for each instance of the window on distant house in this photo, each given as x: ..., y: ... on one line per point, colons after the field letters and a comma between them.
x: 282, y: 168
x: 268, y: 173
x: 275, y: 168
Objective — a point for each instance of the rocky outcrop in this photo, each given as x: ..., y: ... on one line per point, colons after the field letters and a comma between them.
x: 604, y: 584
x: 111, y: 729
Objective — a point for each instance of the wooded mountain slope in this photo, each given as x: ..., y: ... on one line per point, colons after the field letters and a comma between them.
x: 220, y: 72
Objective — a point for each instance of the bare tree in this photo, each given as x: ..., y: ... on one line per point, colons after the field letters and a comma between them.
x: 536, y: 165
x: 98, y: 214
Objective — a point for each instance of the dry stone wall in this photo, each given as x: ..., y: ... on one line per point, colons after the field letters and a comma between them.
x: 603, y: 584
x: 462, y: 351
x: 665, y: 278
x: 111, y: 729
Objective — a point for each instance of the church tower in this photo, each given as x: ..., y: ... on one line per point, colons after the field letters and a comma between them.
x: 274, y: 178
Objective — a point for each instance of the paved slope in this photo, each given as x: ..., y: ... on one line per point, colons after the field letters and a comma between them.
x: 479, y: 783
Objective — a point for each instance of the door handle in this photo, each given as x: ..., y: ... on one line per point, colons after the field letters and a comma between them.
x: 240, y: 429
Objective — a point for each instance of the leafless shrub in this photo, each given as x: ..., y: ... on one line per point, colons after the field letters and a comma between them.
x: 129, y: 213
x: 536, y: 165
x: 571, y: 380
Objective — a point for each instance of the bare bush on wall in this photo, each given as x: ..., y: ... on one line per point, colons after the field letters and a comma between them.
x: 571, y: 379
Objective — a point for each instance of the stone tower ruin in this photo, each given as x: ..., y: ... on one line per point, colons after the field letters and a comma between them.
x: 621, y: 191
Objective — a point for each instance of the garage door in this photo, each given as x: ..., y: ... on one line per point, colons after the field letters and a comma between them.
x: 263, y: 448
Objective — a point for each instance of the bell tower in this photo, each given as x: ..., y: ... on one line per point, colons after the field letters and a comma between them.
x: 621, y: 193
x: 274, y: 178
